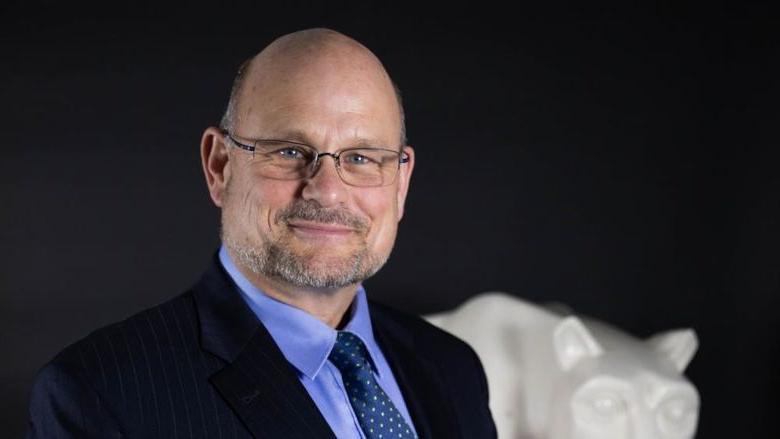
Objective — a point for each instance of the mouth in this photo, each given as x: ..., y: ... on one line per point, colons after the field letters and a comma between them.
x: 312, y: 229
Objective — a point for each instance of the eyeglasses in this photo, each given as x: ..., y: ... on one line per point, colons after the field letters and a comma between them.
x: 285, y: 160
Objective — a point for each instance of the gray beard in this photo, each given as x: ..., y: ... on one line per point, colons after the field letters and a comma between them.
x: 278, y: 262
x: 275, y: 259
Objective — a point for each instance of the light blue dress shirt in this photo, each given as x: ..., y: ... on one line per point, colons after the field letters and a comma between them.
x: 306, y: 343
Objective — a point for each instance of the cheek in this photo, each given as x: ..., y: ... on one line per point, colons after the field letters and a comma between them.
x: 383, y: 211
x: 253, y: 202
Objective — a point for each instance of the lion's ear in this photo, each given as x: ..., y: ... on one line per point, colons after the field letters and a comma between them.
x: 573, y: 342
x: 679, y: 345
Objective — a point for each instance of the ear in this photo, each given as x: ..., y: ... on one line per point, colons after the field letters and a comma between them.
x: 573, y: 343
x: 404, y: 176
x: 678, y: 345
x: 214, y: 159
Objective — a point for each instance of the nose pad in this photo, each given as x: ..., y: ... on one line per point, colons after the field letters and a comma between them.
x: 322, y: 186
x: 317, y: 164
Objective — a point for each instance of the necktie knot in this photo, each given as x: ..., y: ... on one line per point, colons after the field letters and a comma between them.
x: 349, y: 353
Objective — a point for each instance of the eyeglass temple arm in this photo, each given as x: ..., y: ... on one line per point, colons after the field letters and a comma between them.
x: 243, y: 146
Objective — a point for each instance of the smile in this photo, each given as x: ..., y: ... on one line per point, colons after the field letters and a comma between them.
x: 319, y: 230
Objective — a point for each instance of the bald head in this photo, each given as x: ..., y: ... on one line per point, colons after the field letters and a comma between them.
x: 309, y: 59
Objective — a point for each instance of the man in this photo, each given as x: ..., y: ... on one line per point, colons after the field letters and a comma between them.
x: 278, y: 339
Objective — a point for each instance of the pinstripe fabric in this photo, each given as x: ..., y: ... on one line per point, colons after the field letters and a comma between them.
x: 146, y: 372
x: 202, y: 366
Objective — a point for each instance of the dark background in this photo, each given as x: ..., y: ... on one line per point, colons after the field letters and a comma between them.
x: 622, y: 161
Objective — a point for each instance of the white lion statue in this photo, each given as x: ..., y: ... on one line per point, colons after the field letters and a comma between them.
x: 552, y: 376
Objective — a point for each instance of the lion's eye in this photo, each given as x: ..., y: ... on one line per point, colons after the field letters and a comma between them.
x: 600, y: 407
x: 677, y: 416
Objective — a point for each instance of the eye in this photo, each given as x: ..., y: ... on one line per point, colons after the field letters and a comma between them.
x: 608, y: 405
x: 600, y: 407
x: 357, y: 158
x: 677, y: 416
x: 290, y: 152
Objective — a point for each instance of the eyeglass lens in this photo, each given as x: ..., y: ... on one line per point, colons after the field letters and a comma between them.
x: 357, y: 166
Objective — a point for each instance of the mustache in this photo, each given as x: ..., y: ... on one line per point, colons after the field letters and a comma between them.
x: 309, y: 210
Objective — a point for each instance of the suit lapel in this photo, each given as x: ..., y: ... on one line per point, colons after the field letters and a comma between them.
x: 418, y: 378
x: 265, y: 392
x: 258, y: 383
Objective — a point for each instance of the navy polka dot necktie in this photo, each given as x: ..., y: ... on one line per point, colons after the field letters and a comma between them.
x: 378, y: 416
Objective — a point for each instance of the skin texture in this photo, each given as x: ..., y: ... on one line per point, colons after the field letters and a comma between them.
x: 321, y: 88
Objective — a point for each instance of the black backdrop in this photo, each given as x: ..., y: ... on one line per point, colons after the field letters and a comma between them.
x: 620, y: 161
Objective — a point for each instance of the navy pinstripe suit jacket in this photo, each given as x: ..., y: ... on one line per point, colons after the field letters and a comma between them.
x: 202, y: 366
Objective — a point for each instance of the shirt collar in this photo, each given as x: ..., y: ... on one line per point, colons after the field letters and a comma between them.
x: 304, y: 340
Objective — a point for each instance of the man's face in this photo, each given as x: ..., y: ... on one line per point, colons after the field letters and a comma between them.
x: 319, y: 232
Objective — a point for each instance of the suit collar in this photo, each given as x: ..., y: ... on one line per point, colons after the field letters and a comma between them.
x: 226, y: 323
x: 256, y: 381
x: 425, y: 395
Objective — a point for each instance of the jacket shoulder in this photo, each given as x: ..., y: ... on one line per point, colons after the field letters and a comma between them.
x: 88, y: 387
x: 425, y: 336
x: 456, y: 366
x: 153, y: 328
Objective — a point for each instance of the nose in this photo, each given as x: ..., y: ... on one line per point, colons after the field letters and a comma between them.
x: 324, y: 184
x: 644, y: 426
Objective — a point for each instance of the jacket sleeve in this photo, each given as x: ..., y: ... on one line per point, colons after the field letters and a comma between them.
x: 64, y: 405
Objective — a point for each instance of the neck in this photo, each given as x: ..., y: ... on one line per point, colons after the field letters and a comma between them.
x: 329, y: 305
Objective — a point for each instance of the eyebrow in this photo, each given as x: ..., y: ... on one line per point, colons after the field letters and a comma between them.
x: 658, y: 393
x: 299, y: 136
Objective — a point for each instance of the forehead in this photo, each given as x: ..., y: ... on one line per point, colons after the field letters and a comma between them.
x: 630, y: 370
x: 326, y: 97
